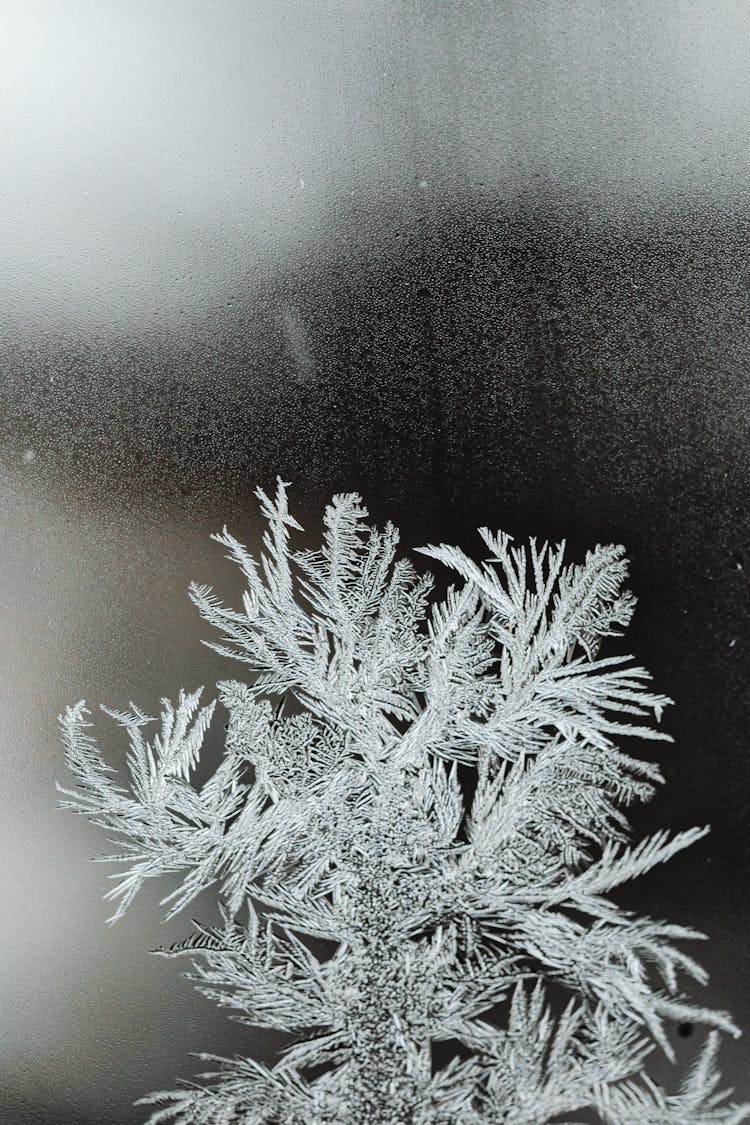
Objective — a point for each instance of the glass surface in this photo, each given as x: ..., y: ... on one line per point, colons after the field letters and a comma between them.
x: 485, y: 262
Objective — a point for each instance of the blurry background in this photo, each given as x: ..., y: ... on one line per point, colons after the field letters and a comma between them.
x: 485, y: 262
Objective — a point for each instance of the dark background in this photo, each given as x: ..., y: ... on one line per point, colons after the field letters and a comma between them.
x: 485, y: 262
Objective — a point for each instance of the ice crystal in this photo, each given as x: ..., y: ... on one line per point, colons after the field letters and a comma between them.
x: 416, y: 828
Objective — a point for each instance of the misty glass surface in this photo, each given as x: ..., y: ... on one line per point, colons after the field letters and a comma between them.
x: 486, y: 263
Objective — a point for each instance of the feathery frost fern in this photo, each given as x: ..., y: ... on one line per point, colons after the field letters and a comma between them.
x: 421, y: 849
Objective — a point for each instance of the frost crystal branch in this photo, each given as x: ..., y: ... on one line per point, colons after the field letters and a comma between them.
x: 416, y: 829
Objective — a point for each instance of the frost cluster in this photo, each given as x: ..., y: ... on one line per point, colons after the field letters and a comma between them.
x: 415, y: 831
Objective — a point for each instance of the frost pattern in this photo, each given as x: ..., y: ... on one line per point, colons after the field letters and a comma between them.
x: 415, y: 828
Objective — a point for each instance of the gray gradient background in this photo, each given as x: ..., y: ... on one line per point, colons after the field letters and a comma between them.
x: 486, y: 262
